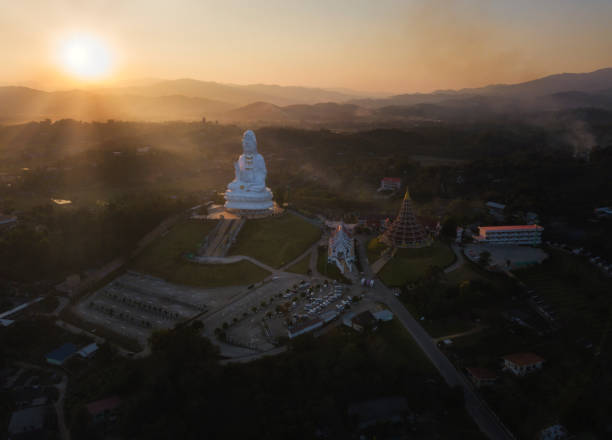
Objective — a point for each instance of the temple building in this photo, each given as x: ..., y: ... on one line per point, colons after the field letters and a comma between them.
x: 406, y: 231
x: 247, y: 194
x: 341, y: 249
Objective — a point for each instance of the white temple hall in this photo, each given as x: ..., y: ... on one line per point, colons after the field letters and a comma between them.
x: 341, y: 249
x: 247, y: 194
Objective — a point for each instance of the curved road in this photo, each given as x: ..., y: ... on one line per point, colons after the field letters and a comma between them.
x: 486, y: 419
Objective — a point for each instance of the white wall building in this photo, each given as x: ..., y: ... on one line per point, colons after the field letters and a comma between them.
x: 459, y: 236
x: 519, y: 234
x: 341, y: 249
x: 521, y: 364
x: 390, y: 183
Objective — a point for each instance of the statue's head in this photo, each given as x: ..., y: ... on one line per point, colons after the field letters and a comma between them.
x: 249, y: 142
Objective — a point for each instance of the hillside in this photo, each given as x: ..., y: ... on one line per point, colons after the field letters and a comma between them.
x: 190, y: 100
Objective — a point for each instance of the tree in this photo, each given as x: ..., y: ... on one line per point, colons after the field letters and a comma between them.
x: 449, y: 227
x: 485, y: 258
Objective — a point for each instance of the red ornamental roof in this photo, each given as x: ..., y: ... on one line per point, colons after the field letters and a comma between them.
x: 524, y: 358
x: 103, y: 405
x: 392, y: 179
x: 481, y: 373
x: 511, y: 228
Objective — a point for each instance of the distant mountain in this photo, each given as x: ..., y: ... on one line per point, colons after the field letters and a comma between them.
x: 237, y: 95
x: 21, y: 104
x: 188, y: 99
x: 599, y: 80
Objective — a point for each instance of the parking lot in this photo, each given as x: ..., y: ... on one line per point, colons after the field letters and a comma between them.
x: 518, y: 256
x: 256, y: 317
x: 261, y: 318
x: 135, y: 304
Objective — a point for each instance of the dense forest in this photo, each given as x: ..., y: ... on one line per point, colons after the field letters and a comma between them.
x: 182, y: 391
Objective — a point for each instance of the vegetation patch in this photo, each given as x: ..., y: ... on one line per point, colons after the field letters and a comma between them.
x: 275, y: 240
x: 330, y: 374
x: 302, y: 267
x: 411, y: 265
x: 375, y: 249
x: 576, y: 291
x: 165, y: 259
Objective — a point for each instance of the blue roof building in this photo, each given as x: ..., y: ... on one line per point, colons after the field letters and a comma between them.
x: 62, y: 354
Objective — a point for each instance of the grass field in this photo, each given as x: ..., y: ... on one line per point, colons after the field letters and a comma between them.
x: 401, y: 349
x: 275, y: 241
x: 326, y: 269
x: 409, y: 265
x: 301, y: 266
x: 575, y: 290
x: 163, y: 258
x: 375, y: 249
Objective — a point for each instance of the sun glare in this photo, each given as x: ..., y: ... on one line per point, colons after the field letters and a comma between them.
x: 85, y: 57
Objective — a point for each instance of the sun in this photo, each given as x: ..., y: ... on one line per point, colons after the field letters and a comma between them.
x: 85, y: 57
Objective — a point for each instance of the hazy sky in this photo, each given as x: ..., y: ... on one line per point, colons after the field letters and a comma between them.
x: 373, y: 45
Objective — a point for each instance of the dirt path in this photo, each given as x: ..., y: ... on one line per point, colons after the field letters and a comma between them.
x: 458, y: 335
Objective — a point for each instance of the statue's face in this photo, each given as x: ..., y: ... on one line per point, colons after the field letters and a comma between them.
x: 249, y: 142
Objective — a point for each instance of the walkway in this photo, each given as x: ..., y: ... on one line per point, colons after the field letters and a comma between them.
x: 253, y: 357
x: 460, y: 259
x: 382, y: 261
x: 234, y: 259
x: 459, y: 335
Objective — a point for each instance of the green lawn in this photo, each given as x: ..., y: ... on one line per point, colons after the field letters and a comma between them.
x: 275, y: 240
x: 574, y: 289
x: 375, y: 249
x: 409, y: 265
x: 401, y: 349
x: 301, y: 266
x: 327, y: 269
x: 163, y: 258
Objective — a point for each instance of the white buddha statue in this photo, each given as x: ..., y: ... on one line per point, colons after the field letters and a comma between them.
x: 248, y: 191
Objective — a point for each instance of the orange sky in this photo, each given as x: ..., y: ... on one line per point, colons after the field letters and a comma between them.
x: 384, y: 45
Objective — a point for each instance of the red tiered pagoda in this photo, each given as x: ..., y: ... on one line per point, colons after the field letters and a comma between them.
x: 406, y: 231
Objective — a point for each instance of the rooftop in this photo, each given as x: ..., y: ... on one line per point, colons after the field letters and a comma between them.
x: 524, y: 358
x: 495, y: 205
x: 27, y: 420
x: 88, y: 349
x: 481, y: 373
x: 100, y: 406
x: 364, y: 318
x: 305, y: 324
x: 62, y: 353
x: 511, y: 228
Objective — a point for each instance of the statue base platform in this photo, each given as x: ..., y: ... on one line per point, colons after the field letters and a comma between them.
x: 217, y: 212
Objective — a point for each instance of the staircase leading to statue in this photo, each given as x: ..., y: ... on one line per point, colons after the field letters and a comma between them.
x: 221, y: 238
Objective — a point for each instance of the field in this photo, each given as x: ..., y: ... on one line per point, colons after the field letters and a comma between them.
x: 375, y: 249
x: 275, y: 241
x: 576, y: 291
x: 302, y: 267
x: 410, y: 265
x: 164, y: 259
x: 326, y: 269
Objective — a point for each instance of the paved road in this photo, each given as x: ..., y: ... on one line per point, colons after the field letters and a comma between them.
x: 459, y: 335
x: 486, y: 420
x: 252, y: 357
x: 233, y: 259
x: 460, y: 259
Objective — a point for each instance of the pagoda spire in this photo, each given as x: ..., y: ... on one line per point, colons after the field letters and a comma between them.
x: 406, y: 231
x: 407, y: 194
